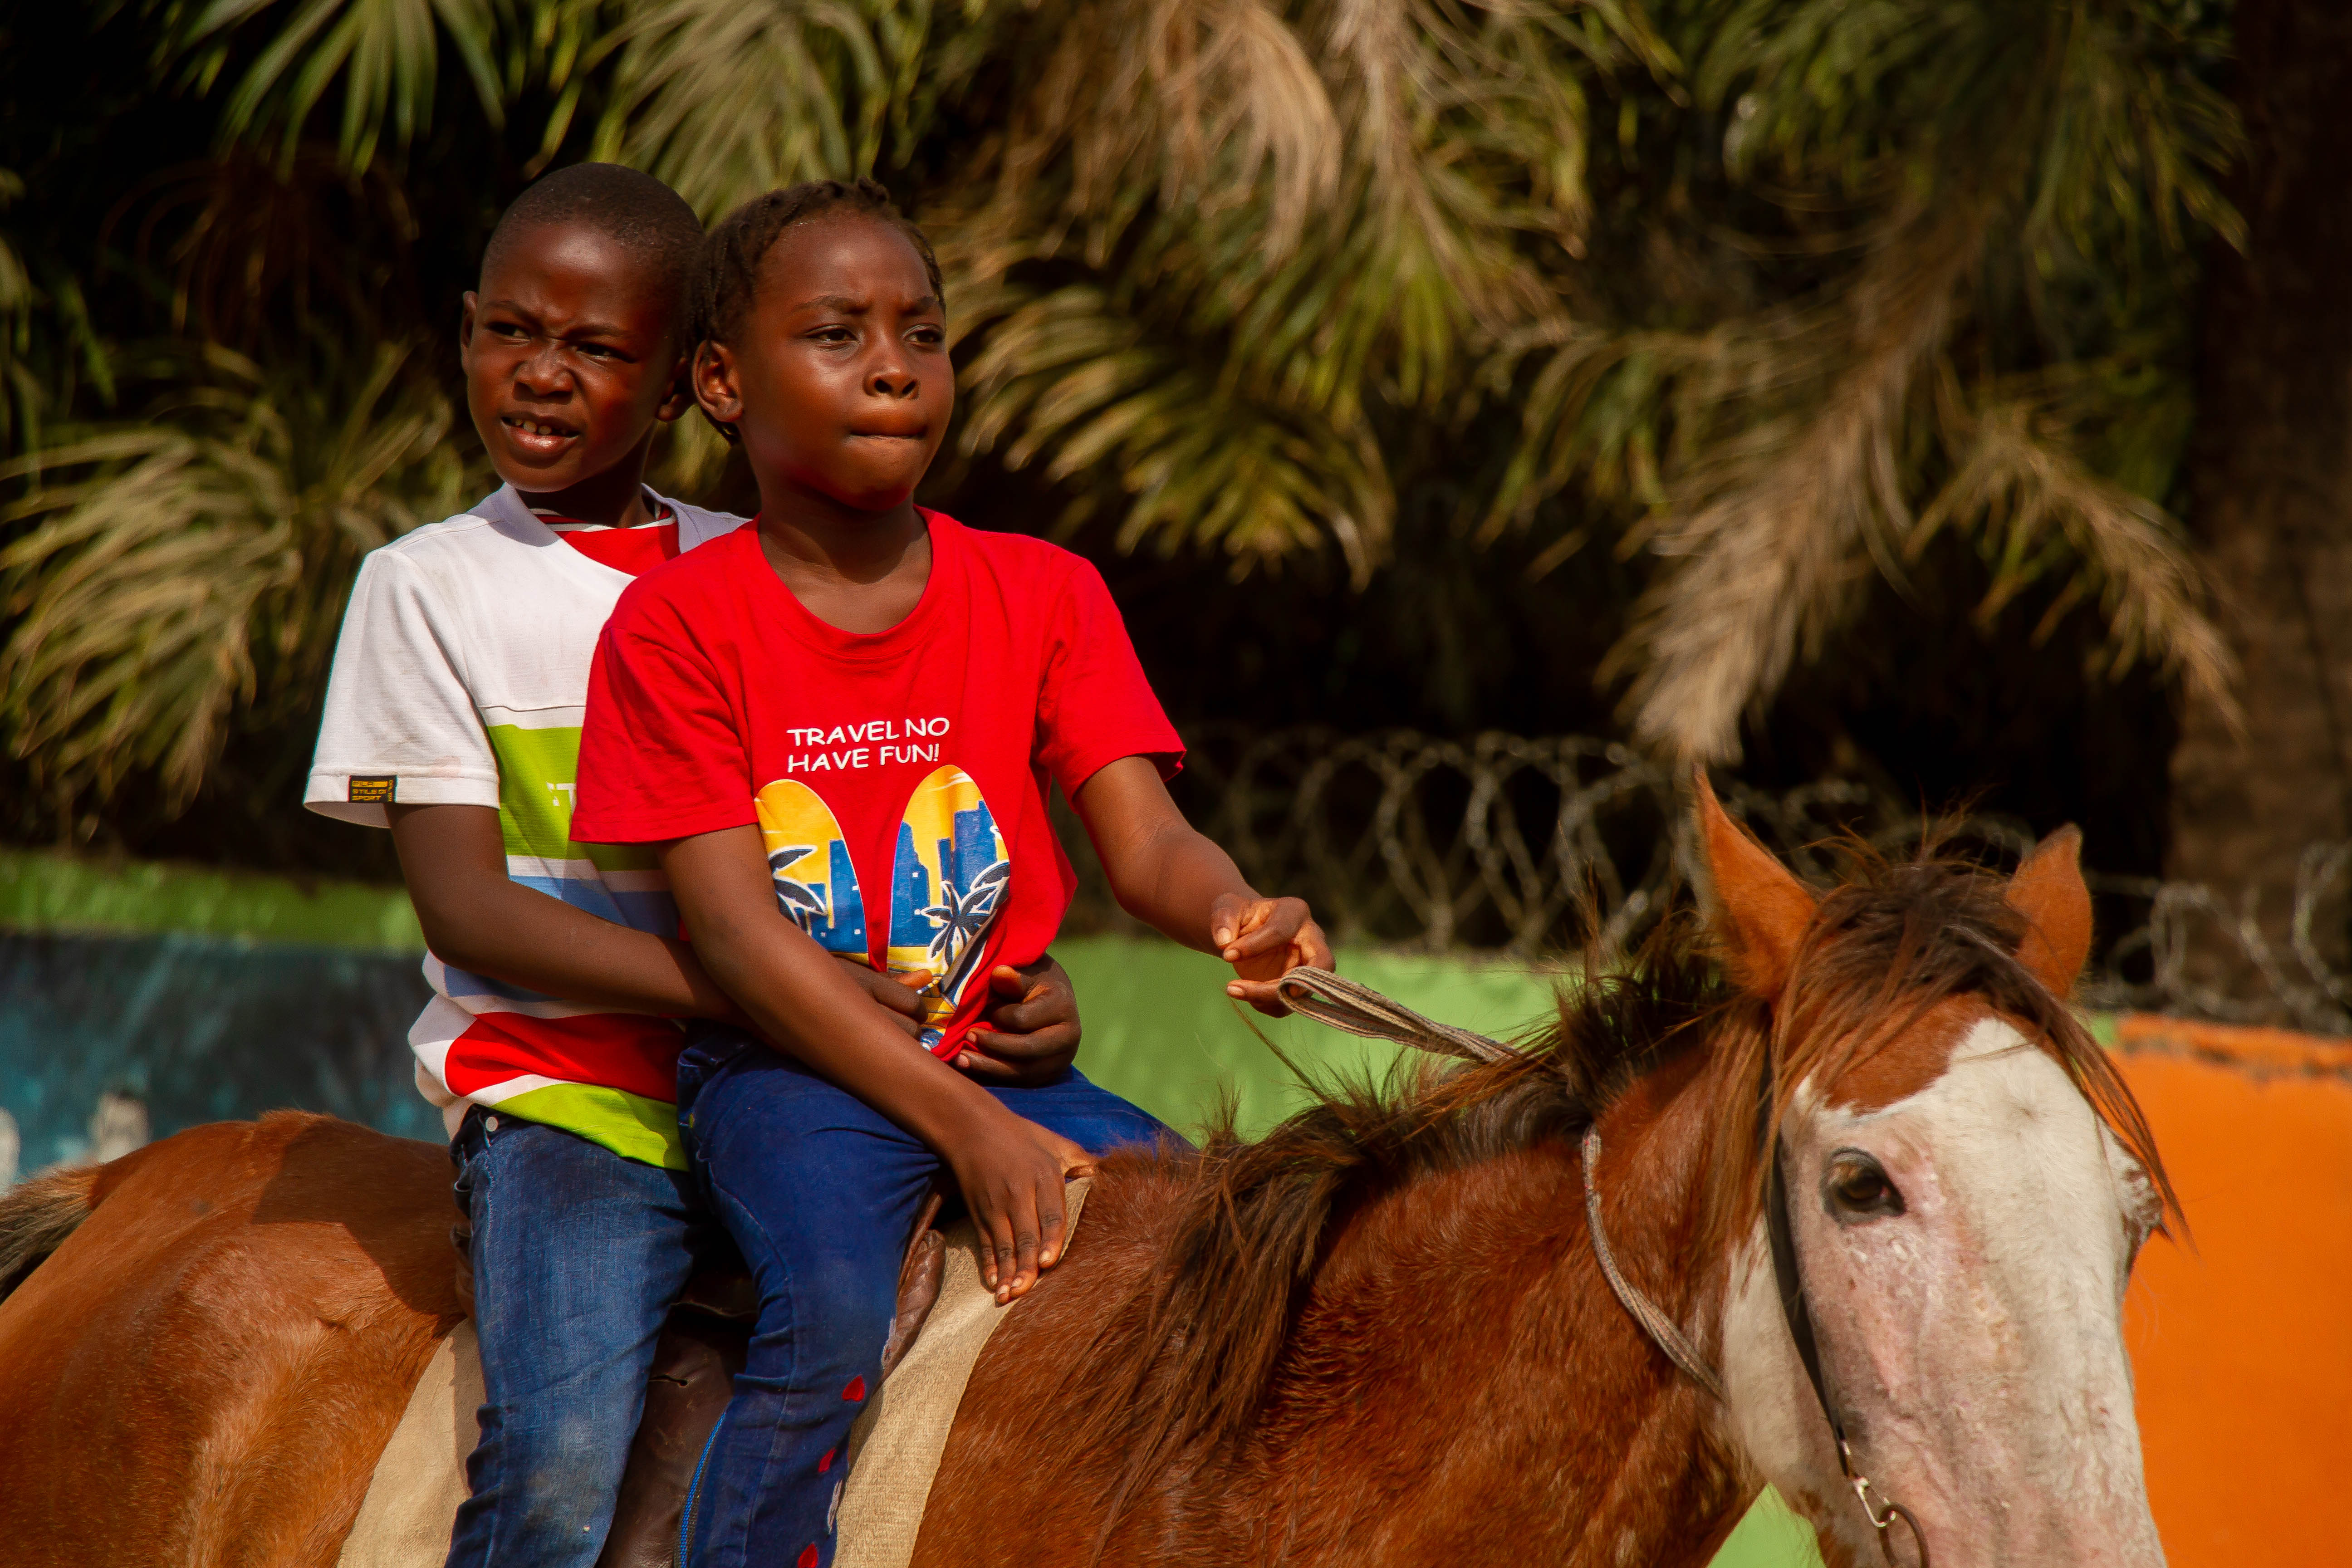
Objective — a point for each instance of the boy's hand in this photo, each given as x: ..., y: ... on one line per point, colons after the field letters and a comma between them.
x: 895, y: 994
x: 1029, y: 1035
x: 1264, y: 940
x: 1011, y: 1172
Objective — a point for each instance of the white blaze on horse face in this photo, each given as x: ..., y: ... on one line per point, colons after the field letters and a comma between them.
x: 1974, y: 1340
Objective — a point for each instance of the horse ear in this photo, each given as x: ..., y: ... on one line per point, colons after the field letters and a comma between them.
x: 1760, y: 910
x: 2048, y: 891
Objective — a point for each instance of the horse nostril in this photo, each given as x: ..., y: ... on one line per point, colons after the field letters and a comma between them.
x: 1855, y: 1187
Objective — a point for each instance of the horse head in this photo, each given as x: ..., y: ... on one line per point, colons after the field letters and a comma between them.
x: 1967, y: 1184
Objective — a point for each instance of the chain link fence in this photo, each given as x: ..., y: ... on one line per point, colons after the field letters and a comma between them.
x: 1511, y: 844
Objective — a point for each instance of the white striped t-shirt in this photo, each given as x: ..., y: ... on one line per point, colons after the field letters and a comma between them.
x: 460, y: 678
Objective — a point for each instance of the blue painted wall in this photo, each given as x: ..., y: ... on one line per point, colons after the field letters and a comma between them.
x: 201, y: 1029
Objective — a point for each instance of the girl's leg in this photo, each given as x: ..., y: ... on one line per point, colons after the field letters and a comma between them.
x: 819, y: 1192
x: 1088, y: 1114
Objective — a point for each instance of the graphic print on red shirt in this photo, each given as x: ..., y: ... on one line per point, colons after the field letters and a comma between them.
x: 898, y: 778
x: 949, y: 869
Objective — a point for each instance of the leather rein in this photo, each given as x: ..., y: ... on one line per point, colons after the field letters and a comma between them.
x: 1342, y: 1003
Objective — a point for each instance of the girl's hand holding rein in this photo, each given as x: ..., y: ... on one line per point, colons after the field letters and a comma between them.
x: 1182, y: 884
x: 1264, y: 940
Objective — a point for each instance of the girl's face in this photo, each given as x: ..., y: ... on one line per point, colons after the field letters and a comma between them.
x: 838, y: 382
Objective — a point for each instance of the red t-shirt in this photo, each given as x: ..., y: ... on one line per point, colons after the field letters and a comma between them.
x: 635, y: 550
x: 900, y: 777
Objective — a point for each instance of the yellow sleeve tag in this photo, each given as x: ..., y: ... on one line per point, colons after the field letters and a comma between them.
x: 372, y: 792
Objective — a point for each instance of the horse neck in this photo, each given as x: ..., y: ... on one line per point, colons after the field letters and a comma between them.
x: 1659, y: 1149
x: 1461, y: 1333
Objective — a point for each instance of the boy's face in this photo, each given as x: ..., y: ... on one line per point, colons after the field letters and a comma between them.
x: 571, y: 353
x: 838, y: 381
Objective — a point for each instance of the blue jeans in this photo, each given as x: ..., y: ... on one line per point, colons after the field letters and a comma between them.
x: 820, y: 1192
x: 577, y: 1255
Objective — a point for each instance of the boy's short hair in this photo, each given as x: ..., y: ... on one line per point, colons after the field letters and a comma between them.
x: 727, y: 279
x: 627, y: 205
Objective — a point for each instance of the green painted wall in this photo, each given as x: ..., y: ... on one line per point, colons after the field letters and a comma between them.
x: 48, y: 893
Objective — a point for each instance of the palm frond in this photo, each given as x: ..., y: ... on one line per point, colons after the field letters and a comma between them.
x: 1211, y: 105
x: 2037, y: 511
x: 2133, y: 139
x: 384, y: 54
x: 1777, y: 532
x: 1773, y: 458
x: 1328, y: 211
x: 252, y: 241
x: 726, y: 99
x: 1065, y: 378
x: 1234, y: 274
x: 1424, y: 92
x: 1590, y: 413
x: 20, y: 389
x: 170, y: 569
x: 2089, y: 106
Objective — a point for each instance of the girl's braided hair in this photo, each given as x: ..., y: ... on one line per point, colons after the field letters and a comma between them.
x: 727, y: 281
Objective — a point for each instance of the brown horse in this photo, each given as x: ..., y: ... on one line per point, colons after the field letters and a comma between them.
x: 206, y: 1369
x: 1382, y: 1334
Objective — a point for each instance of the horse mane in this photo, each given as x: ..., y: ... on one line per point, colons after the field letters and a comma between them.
x: 1182, y: 1364
x: 1183, y: 1359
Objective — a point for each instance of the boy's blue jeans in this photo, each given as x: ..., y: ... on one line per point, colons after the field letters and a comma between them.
x: 577, y: 1255
x: 820, y: 1192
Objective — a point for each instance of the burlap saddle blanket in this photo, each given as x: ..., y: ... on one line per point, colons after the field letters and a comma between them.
x: 945, y: 1317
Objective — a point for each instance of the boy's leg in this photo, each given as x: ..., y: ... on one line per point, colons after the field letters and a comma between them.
x: 819, y: 1190
x: 577, y: 1254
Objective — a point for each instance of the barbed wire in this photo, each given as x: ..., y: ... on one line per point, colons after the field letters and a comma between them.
x: 1512, y: 845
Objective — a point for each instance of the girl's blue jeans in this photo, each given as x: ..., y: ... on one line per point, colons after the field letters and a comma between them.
x: 820, y: 1193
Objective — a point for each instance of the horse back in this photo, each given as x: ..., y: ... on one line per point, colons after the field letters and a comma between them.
x: 208, y: 1368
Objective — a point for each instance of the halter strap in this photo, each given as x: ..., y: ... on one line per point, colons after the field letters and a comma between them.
x: 1644, y: 1311
x: 1357, y: 1009
x: 1790, y: 1282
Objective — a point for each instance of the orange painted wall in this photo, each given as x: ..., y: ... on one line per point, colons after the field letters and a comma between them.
x: 2241, y: 1335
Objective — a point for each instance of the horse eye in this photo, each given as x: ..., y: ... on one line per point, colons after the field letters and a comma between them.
x: 1856, y: 1188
